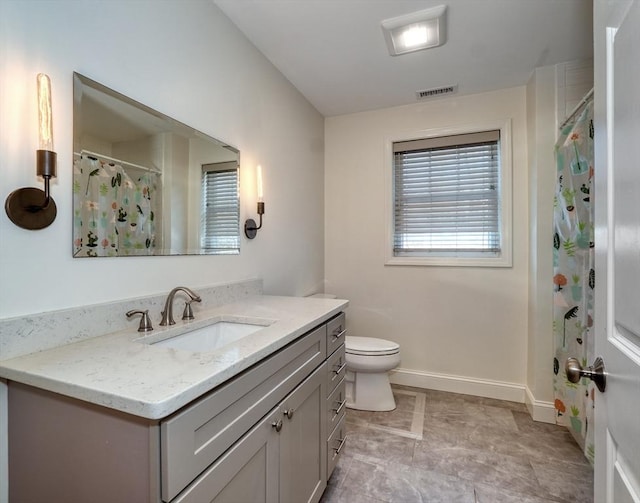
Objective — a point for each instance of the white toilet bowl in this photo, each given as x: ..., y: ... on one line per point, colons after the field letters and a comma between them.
x: 368, y: 360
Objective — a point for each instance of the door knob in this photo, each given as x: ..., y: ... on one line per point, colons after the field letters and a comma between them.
x: 596, y: 372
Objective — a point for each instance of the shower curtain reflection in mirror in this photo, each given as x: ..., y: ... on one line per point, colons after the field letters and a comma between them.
x: 114, y: 209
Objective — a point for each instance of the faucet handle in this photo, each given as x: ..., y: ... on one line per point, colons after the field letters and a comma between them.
x: 145, y: 322
x: 187, y: 314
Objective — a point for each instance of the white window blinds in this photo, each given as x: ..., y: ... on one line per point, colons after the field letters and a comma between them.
x: 220, y: 214
x: 447, y: 196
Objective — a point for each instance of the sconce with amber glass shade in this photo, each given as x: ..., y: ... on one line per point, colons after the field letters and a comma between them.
x: 29, y: 207
x: 250, y: 227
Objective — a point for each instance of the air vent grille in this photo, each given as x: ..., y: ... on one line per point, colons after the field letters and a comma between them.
x: 435, y: 92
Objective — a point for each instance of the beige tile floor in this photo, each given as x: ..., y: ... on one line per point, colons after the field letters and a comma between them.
x: 450, y: 448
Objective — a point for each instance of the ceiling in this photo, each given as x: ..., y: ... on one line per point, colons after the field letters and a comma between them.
x: 334, y: 52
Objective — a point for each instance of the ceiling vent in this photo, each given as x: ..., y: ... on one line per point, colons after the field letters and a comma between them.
x: 435, y: 92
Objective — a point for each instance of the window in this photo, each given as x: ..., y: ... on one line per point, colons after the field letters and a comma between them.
x: 451, y: 200
x: 220, y: 233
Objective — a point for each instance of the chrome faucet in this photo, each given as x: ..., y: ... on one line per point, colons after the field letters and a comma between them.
x: 167, y: 314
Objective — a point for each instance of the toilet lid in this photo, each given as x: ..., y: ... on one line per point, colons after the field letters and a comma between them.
x: 370, y: 346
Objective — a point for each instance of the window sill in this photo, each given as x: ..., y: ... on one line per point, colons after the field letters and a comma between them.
x: 450, y: 261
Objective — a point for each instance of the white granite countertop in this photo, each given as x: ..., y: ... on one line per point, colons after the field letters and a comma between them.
x: 123, y: 371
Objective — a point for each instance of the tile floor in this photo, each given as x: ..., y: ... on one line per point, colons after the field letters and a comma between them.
x: 450, y: 448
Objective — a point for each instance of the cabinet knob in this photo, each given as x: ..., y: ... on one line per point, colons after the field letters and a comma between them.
x: 288, y: 413
x: 277, y: 425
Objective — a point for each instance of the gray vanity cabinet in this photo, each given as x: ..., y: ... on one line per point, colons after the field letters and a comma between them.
x: 336, y: 392
x: 194, y: 437
x: 64, y: 450
x: 279, y: 459
x: 266, y: 435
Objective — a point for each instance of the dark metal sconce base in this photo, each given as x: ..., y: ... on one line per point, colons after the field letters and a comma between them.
x: 250, y: 229
x: 24, y: 208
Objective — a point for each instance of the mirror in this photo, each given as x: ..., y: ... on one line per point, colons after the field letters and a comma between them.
x: 145, y: 184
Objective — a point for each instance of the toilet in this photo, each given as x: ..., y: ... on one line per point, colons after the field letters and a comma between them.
x: 368, y: 360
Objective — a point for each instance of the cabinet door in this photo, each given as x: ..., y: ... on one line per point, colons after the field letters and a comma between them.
x: 199, y: 434
x: 303, y: 447
x: 248, y: 472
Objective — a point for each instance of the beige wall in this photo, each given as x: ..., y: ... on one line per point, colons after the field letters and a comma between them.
x: 463, y: 329
x: 541, y: 114
x: 188, y: 61
x: 552, y: 94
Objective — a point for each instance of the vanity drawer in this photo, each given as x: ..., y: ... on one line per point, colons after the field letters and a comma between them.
x: 336, y: 406
x: 335, y: 444
x: 195, y: 437
x: 336, y: 332
x: 336, y: 368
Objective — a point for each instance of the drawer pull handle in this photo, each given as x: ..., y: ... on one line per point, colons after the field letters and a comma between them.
x: 339, y: 448
x: 277, y: 425
x: 341, y: 368
x: 338, y: 332
x: 340, y: 407
x: 288, y: 413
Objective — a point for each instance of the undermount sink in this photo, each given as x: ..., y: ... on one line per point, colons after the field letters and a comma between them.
x: 211, y: 337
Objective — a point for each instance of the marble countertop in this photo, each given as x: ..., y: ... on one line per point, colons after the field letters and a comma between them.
x: 123, y: 371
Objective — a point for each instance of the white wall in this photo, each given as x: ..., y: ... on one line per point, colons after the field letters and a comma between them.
x: 463, y: 329
x: 188, y: 61
x: 552, y: 94
x: 542, y: 134
x: 574, y: 79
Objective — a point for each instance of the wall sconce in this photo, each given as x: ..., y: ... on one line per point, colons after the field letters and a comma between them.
x: 28, y: 207
x: 250, y: 229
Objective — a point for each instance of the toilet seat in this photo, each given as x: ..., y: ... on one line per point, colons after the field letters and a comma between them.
x: 370, y: 346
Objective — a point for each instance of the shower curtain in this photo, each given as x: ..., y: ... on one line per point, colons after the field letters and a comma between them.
x: 114, y: 214
x: 574, y: 276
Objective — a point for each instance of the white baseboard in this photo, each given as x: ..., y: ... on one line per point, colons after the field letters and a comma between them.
x: 539, y: 410
x: 545, y: 412
x: 458, y: 384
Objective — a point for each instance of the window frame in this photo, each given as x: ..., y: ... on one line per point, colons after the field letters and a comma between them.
x: 218, y: 167
x: 504, y: 258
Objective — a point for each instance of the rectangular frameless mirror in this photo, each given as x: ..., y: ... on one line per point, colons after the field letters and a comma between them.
x: 145, y: 184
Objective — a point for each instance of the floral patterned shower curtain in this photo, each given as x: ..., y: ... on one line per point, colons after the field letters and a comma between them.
x: 113, y: 213
x: 574, y: 276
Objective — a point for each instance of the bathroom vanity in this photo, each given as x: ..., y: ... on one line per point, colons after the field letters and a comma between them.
x: 266, y: 422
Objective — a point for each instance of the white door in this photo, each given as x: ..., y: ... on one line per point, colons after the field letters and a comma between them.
x: 617, y: 161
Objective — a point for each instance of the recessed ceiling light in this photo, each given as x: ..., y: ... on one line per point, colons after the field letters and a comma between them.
x: 416, y: 31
